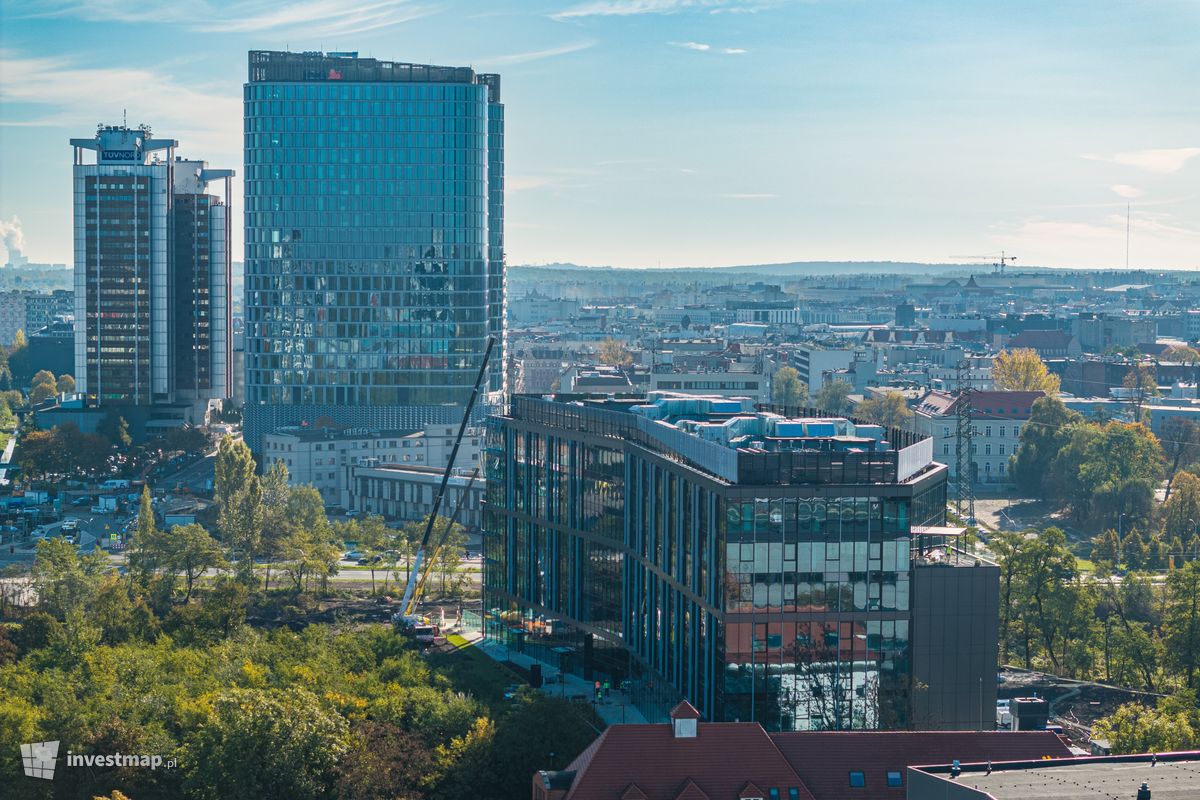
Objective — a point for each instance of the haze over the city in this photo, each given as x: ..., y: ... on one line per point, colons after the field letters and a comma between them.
x: 681, y: 133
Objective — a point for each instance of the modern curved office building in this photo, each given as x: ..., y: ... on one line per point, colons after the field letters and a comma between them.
x: 374, y: 240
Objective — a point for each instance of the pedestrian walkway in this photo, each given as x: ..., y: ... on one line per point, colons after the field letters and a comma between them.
x: 615, y: 710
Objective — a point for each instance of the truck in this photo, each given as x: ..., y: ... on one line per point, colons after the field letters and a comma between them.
x: 105, y: 504
x: 115, y: 483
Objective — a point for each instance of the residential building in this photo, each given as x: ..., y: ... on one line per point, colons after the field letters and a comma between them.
x: 997, y: 418
x: 1047, y: 344
x: 41, y: 308
x: 813, y: 362
x: 1098, y: 332
x: 152, y: 275
x: 762, y: 567
x: 12, y: 316
x: 690, y: 759
x: 374, y: 240
x: 318, y: 455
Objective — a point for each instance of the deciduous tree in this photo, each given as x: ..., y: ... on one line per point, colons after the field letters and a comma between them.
x: 887, y: 408
x: 834, y: 397
x: 1022, y: 370
x: 787, y: 389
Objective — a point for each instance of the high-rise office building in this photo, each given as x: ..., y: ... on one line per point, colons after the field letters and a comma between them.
x: 152, y: 273
x: 374, y: 240
x: 788, y: 570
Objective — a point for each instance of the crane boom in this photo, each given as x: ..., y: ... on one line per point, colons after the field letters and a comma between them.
x: 433, y: 557
x: 441, y: 492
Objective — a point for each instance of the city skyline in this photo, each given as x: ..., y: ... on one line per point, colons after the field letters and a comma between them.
x: 696, y: 133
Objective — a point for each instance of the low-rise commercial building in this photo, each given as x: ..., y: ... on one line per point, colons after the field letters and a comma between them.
x: 318, y: 455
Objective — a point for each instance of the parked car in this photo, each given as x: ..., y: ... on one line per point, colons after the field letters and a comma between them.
x: 81, y: 501
x: 352, y: 555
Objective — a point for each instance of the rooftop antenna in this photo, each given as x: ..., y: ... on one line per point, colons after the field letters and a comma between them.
x: 125, y: 124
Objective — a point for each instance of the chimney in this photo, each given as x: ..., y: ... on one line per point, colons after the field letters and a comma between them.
x: 684, y: 719
x: 1143, y: 792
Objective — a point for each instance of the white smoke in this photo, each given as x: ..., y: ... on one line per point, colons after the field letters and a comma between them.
x: 14, y: 241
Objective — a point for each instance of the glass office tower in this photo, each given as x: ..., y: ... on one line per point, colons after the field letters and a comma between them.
x: 374, y: 240
x: 784, y: 569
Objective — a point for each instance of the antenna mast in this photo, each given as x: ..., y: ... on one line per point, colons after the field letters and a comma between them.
x: 964, y: 444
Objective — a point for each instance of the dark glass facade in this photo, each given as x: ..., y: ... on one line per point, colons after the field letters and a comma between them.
x: 374, y: 239
x: 768, y: 586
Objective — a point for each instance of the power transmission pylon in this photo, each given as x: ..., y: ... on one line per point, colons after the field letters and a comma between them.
x: 964, y: 492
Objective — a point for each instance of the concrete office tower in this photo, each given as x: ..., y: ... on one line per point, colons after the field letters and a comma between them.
x: 374, y: 240
x: 152, y: 274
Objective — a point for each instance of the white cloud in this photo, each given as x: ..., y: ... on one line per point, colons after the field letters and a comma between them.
x: 627, y: 8
x: 329, y: 17
x: 1162, y: 160
x: 1156, y: 240
x: 733, y: 51
x: 64, y: 94
x: 1126, y: 191
x: 521, y: 58
x: 691, y: 45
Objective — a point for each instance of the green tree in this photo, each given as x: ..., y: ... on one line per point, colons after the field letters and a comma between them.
x: 1182, y: 621
x: 1137, y: 728
x: 266, y: 743
x: 787, y: 389
x: 64, y: 580
x: 888, y: 408
x: 1106, y: 548
x: 834, y: 397
x: 614, y: 353
x: 1180, y: 441
x: 43, y: 387
x: 191, y: 551
x: 1042, y: 439
x: 65, y: 384
x: 383, y: 762
x: 233, y: 470
x: 1022, y: 370
x: 148, y: 548
x: 1181, y: 511
x: 275, y: 526
x: 1141, y: 384
x: 240, y: 521
x: 114, y: 428
x: 310, y: 547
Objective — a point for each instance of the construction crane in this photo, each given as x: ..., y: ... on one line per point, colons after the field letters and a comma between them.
x: 998, y: 262
x: 998, y: 267
x: 415, y: 574
x: 408, y: 610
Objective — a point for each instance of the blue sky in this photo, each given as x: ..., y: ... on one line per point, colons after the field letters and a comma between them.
x: 693, y: 133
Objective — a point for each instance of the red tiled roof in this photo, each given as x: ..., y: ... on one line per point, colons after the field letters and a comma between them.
x: 824, y: 760
x: 720, y: 760
x: 984, y: 405
x: 684, y: 710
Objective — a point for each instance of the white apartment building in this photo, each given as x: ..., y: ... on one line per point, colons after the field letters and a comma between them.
x: 997, y: 419
x: 318, y: 456
x: 405, y: 493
